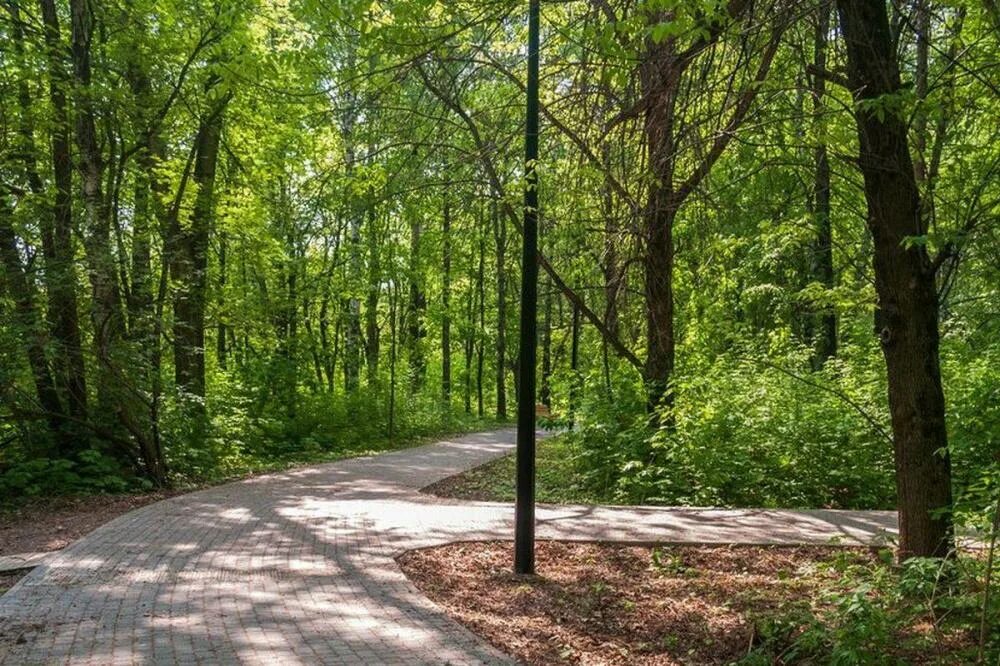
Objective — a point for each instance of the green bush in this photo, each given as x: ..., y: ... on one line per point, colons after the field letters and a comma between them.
x: 94, y: 472
x: 880, y: 613
x: 746, y: 433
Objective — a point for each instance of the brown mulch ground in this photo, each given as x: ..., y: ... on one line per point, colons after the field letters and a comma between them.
x: 45, y: 524
x: 614, y: 604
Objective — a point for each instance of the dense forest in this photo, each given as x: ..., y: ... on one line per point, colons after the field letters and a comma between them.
x: 235, y: 234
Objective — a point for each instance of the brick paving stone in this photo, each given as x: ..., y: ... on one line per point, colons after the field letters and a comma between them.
x: 299, y: 568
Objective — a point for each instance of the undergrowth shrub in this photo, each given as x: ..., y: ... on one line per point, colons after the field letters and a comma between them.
x: 877, y: 612
x: 744, y: 433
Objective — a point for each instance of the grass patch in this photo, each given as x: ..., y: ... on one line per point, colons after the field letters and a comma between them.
x: 557, y: 478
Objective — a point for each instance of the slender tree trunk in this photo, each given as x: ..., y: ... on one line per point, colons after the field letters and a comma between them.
x: 546, y: 392
x: 481, y: 329
x: 371, y: 301
x: 393, y: 337
x: 352, y: 311
x: 500, y: 235
x: 446, y: 299
x: 610, y: 265
x: 468, y: 332
x: 825, y: 343
x: 922, y: 24
x: 905, y: 284
x: 19, y: 283
x: 574, y: 395
x: 221, y: 350
x: 416, y: 330
x: 324, y: 340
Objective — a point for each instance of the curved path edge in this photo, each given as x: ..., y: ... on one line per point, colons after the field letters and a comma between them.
x: 299, y: 567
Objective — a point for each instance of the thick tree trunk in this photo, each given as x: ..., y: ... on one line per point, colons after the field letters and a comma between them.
x: 905, y: 283
x: 106, y: 313
x: 63, y: 312
x: 29, y: 323
x: 658, y: 263
x: 660, y: 78
x: 189, y: 264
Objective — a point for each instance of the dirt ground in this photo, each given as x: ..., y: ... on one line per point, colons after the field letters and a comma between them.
x: 44, y: 524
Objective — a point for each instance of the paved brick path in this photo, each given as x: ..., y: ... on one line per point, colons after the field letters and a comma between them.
x: 298, y: 568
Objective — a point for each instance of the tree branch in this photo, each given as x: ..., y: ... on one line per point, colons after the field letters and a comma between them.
x: 543, y: 262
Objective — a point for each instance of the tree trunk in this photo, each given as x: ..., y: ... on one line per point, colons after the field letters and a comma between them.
x: 546, y: 393
x: 825, y: 343
x: 28, y: 321
x: 393, y: 338
x: 352, y: 310
x: 106, y: 314
x: 481, y: 330
x: 64, y: 318
x: 221, y: 349
x: 574, y: 364
x: 660, y: 78
x: 371, y: 301
x: 658, y: 263
x: 189, y: 269
x: 500, y: 235
x: 905, y: 284
x: 446, y: 299
x: 416, y: 330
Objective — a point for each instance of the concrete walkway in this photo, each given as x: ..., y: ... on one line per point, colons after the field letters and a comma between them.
x: 298, y: 568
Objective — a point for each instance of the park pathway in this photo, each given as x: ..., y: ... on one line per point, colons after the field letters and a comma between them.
x: 298, y: 567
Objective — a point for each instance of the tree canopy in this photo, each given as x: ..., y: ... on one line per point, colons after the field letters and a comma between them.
x: 236, y: 233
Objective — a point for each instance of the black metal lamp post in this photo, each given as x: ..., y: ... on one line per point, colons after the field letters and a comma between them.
x: 524, y: 513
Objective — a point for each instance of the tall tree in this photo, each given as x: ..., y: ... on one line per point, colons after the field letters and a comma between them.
x: 825, y: 334
x: 663, y: 73
x: 63, y: 317
x: 446, y: 293
x: 188, y: 251
x: 905, y: 283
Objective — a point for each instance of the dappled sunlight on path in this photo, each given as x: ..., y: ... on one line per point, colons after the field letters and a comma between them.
x: 298, y: 567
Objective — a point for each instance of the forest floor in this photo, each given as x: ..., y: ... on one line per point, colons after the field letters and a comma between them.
x: 51, y: 523
x: 46, y: 524
x: 618, y: 604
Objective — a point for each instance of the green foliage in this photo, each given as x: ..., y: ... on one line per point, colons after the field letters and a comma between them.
x: 745, y: 433
x: 92, y: 472
x: 880, y: 613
